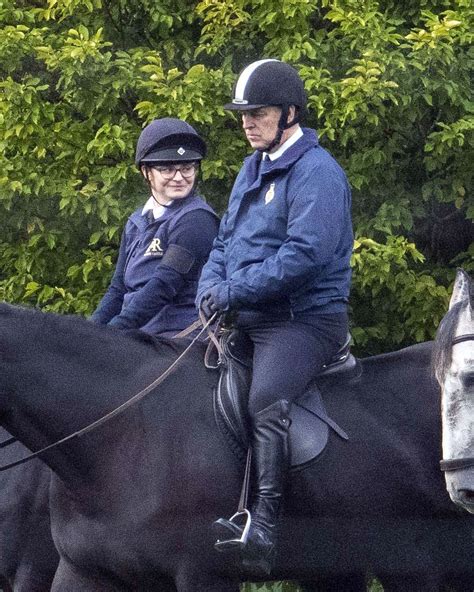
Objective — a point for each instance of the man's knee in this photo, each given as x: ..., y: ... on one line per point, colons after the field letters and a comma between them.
x: 265, y: 393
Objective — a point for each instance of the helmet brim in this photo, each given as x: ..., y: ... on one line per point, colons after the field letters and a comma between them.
x: 242, y: 107
x: 178, y: 154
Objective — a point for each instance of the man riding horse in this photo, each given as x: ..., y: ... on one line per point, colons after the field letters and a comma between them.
x: 280, y: 263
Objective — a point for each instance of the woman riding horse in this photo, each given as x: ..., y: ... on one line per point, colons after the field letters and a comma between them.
x: 166, y: 242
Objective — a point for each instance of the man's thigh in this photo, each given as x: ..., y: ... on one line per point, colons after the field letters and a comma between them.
x: 287, y: 357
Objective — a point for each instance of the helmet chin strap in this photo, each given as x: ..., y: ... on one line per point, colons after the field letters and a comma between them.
x: 282, y: 126
x: 275, y: 142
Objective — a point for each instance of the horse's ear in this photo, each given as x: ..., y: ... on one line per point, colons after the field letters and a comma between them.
x: 461, y: 288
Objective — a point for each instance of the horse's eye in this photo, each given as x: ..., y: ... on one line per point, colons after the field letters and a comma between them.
x: 467, y: 379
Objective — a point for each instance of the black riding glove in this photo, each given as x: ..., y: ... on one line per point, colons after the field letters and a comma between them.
x: 209, y: 305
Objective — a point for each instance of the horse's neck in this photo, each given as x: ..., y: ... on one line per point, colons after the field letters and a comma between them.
x: 48, y: 406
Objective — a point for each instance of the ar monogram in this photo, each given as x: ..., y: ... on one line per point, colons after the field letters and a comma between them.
x: 154, y: 248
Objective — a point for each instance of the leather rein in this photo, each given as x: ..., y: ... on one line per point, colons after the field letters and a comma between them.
x: 456, y: 464
x: 202, y: 322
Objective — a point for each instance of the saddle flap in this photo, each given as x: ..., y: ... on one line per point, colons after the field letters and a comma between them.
x: 237, y: 346
x: 308, y: 433
x: 232, y: 395
x: 309, y: 429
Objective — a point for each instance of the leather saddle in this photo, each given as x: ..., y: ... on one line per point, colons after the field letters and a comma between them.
x: 310, y: 424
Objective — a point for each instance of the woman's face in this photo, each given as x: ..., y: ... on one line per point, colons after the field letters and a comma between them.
x: 170, y: 181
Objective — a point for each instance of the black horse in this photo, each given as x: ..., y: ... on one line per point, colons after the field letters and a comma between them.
x: 28, y: 558
x: 132, y: 502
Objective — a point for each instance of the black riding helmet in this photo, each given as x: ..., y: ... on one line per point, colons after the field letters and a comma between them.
x: 270, y: 82
x: 169, y: 140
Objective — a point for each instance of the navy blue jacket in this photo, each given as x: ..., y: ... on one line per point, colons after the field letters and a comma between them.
x: 286, y: 240
x: 155, y: 280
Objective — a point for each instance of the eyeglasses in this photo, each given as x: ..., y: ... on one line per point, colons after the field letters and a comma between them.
x: 169, y: 172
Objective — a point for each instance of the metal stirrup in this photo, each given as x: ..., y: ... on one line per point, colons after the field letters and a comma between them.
x: 242, y: 513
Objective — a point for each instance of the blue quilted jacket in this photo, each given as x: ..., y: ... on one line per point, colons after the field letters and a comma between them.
x: 286, y: 240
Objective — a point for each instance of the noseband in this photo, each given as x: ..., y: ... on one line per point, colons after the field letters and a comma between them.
x: 456, y: 464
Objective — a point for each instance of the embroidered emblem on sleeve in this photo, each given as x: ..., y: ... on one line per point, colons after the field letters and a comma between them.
x: 270, y: 194
x: 154, y: 249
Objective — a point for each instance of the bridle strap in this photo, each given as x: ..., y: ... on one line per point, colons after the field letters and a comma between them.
x: 120, y: 409
x: 461, y: 338
x: 458, y: 464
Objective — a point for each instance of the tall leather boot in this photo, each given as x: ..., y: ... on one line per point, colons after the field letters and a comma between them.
x: 270, y: 463
x: 270, y: 457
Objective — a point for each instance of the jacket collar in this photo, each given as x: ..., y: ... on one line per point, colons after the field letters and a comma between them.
x: 143, y: 219
x: 155, y: 208
x: 284, y: 147
x: 308, y: 140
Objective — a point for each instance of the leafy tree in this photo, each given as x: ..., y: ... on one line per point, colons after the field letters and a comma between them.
x: 389, y: 90
x: 388, y: 85
x: 374, y: 586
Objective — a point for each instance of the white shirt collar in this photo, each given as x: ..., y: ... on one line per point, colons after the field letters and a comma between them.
x: 157, y: 209
x: 291, y: 140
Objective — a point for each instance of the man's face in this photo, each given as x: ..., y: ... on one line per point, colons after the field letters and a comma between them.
x: 261, y: 126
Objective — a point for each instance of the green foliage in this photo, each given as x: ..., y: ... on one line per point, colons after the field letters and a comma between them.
x: 394, y: 301
x: 270, y: 587
x: 373, y: 586
x: 389, y: 90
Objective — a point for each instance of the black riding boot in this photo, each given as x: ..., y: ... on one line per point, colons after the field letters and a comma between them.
x: 270, y: 463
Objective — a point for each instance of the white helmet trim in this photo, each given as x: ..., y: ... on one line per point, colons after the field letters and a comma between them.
x: 243, y: 80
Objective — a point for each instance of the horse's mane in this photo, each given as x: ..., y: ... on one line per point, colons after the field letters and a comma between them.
x: 63, y: 327
x: 443, y: 345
